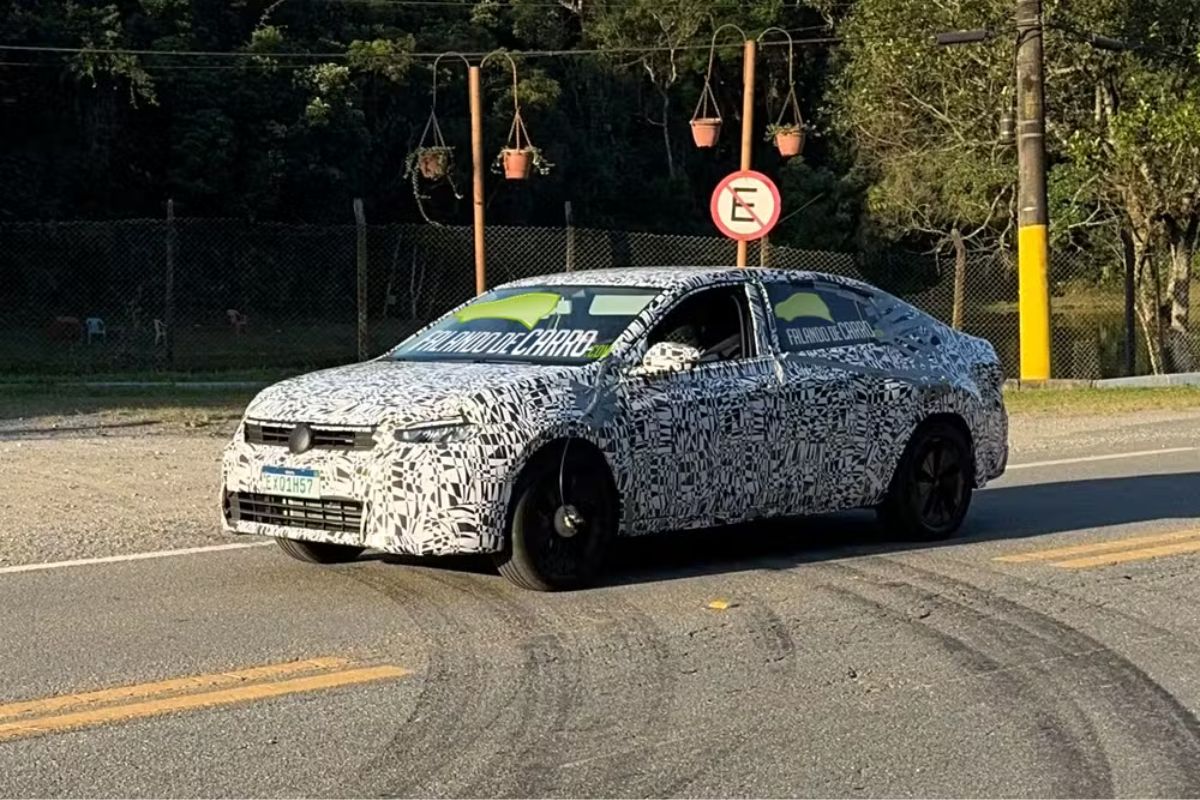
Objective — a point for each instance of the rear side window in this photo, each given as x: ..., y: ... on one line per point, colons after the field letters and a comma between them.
x: 810, y: 316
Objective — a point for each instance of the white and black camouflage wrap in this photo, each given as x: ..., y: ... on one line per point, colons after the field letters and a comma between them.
x: 782, y: 433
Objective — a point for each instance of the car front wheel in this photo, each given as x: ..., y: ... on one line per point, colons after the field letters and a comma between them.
x: 931, y: 489
x: 562, y: 521
x: 319, y: 552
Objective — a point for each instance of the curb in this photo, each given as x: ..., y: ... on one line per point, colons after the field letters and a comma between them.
x: 1135, y: 382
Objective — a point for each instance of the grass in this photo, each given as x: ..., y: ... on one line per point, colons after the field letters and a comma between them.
x: 193, y: 408
x: 172, y: 406
x: 1073, y: 402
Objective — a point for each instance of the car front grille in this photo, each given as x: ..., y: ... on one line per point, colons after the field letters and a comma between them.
x: 277, y: 433
x: 342, y: 516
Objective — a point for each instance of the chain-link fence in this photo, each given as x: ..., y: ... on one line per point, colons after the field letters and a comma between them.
x: 208, y: 295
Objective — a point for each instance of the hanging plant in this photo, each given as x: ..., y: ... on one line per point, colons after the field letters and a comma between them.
x: 519, y: 158
x: 706, y: 119
x: 518, y: 163
x: 787, y: 132
x: 788, y: 138
x: 432, y: 159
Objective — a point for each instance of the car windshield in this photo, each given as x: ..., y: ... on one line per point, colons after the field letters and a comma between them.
x: 531, y: 324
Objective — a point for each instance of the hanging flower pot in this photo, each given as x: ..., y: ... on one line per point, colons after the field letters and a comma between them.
x: 518, y: 162
x: 705, y: 131
x: 434, y: 162
x: 789, y: 139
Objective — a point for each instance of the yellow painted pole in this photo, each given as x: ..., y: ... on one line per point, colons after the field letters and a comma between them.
x: 1033, y: 291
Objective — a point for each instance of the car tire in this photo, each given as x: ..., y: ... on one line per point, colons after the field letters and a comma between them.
x: 537, y: 554
x: 319, y: 552
x: 931, y: 489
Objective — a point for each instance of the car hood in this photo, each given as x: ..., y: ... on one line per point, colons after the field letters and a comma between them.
x: 403, y: 391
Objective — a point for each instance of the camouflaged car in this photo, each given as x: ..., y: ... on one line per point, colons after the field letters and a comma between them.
x: 550, y: 414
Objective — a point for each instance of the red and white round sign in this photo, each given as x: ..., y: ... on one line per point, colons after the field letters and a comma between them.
x: 745, y: 205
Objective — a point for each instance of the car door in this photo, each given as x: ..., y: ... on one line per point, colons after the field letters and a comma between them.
x: 695, y: 436
x: 825, y: 421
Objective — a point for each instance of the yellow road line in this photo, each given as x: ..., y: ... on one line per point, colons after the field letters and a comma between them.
x: 212, y: 681
x: 1130, y: 555
x: 1098, y: 547
x: 191, y: 702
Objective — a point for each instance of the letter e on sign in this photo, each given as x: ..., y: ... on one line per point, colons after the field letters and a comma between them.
x: 745, y: 205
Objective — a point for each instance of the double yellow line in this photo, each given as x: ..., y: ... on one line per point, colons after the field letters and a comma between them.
x: 1119, y: 551
x: 120, y: 704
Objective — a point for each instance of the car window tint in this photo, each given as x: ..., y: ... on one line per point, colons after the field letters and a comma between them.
x: 810, y: 316
x: 715, y: 321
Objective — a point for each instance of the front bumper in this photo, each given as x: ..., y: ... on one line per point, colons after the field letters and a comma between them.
x: 405, y: 498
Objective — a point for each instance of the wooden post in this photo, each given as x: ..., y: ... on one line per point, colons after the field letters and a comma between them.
x: 764, y: 252
x: 570, y: 236
x: 477, y: 166
x: 169, y: 290
x: 360, y: 224
x: 748, y: 55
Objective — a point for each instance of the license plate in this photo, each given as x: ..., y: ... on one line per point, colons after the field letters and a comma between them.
x: 292, y: 482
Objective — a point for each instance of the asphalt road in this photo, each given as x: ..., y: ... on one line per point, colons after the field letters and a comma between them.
x: 1050, y: 651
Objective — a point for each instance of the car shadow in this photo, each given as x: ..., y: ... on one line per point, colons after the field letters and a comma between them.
x: 997, y: 513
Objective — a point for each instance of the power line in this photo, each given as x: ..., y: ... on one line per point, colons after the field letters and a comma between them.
x: 329, y: 56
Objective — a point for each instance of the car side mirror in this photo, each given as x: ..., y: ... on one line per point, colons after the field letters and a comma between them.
x: 667, y: 357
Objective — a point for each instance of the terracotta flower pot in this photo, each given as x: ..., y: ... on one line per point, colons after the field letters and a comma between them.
x: 517, y: 164
x: 789, y: 143
x: 433, y: 163
x: 706, y: 130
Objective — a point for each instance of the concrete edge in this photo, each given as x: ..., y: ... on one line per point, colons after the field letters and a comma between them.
x: 1135, y: 382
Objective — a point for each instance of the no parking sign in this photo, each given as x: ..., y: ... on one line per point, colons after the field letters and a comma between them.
x: 745, y: 205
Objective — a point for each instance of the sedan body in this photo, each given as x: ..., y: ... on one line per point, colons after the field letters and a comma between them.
x: 699, y: 397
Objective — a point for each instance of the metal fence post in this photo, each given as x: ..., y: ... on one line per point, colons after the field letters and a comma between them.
x: 570, y: 236
x: 360, y: 224
x: 169, y: 290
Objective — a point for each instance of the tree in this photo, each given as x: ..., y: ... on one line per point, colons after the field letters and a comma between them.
x: 918, y: 121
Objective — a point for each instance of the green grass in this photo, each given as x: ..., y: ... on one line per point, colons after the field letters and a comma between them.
x: 1072, y: 402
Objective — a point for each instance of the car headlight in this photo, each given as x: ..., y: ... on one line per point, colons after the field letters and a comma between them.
x: 436, y: 432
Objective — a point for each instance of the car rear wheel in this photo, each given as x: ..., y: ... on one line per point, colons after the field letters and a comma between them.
x: 319, y: 552
x: 931, y: 489
x: 562, y: 521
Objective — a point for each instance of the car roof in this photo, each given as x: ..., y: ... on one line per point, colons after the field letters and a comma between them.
x: 672, y: 277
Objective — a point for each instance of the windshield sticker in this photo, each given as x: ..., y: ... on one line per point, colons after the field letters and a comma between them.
x: 543, y: 343
x: 527, y: 309
x: 803, y: 304
x: 597, y: 351
x: 837, y: 333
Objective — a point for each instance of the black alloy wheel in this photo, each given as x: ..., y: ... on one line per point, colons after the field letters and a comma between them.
x: 563, y: 518
x: 931, y: 490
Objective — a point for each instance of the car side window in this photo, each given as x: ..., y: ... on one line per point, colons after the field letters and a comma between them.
x: 810, y: 315
x: 715, y: 321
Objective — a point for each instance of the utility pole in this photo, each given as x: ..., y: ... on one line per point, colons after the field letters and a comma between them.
x: 748, y: 57
x: 477, y: 167
x: 1032, y: 248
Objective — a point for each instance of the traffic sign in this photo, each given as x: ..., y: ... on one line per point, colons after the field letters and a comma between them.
x: 746, y: 205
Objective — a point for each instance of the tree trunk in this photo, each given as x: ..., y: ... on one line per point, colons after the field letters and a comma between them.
x: 1148, y: 305
x: 1181, y: 244
x: 960, y: 278
x: 666, y: 131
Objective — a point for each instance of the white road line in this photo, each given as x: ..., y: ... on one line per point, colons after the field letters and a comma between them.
x: 83, y: 562
x: 1107, y: 457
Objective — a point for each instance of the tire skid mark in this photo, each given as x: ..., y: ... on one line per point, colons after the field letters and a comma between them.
x: 769, y: 634
x: 538, y: 700
x: 1160, y: 728
x: 446, y: 717
x: 1059, y: 725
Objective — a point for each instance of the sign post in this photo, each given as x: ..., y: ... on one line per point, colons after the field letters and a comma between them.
x: 745, y: 206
